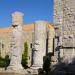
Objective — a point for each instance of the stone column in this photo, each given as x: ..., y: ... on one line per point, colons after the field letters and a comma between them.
x: 16, y: 50
x: 61, y: 51
x: 51, y: 34
x: 39, y: 43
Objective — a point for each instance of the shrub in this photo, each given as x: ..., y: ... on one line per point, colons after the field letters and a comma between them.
x: 4, y: 62
x: 46, y: 63
x: 25, y: 56
x: 7, y: 60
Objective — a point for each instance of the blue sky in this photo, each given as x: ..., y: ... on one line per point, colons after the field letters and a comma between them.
x: 33, y: 10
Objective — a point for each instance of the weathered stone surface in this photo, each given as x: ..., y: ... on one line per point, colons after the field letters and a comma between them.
x: 16, y: 50
x: 64, y: 16
x: 17, y: 18
x: 51, y: 35
x: 68, y: 18
x: 39, y: 43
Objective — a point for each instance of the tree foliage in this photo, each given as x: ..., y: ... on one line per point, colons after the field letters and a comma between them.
x: 4, y: 62
x: 25, y: 56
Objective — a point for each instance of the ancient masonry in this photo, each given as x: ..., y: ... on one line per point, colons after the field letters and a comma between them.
x: 42, y: 37
x: 39, y: 44
x: 16, y: 49
x: 41, y: 30
x: 64, y: 21
x: 38, y: 35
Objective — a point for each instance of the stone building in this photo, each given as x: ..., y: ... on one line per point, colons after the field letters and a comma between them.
x: 64, y: 21
x: 58, y: 38
x: 62, y: 46
x: 28, y: 36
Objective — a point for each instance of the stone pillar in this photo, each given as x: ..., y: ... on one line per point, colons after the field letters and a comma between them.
x: 39, y: 43
x: 51, y: 34
x: 16, y: 50
x: 58, y: 21
x: 61, y: 51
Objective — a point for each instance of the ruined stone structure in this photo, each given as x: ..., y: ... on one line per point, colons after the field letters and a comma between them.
x: 64, y: 21
x: 16, y: 49
x: 42, y: 37
x: 39, y: 36
x: 39, y: 43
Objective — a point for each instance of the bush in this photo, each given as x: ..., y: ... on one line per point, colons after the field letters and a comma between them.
x: 25, y: 56
x: 46, y: 63
x: 4, y: 62
x: 7, y: 60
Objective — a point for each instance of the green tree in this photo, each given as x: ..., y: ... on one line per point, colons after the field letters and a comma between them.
x: 4, y: 62
x: 7, y: 60
x: 25, y: 56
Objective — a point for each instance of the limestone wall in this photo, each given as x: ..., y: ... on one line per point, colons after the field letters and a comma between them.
x: 5, y: 46
x: 64, y: 17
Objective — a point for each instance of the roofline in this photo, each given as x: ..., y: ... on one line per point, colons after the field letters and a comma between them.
x: 26, y: 27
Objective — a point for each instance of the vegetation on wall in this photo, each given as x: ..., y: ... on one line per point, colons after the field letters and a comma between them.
x: 4, y: 62
x: 25, y: 56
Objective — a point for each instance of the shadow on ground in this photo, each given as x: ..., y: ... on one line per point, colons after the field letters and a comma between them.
x: 64, y: 68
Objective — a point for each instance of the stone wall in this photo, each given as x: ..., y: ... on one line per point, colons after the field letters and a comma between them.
x: 6, y: 39
x: 5, y: 44
x: 64, y: 20
x: 28, y: 35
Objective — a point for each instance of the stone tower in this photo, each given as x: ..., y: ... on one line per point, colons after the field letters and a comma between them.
x: 16, y: 49
x: 64, y: 20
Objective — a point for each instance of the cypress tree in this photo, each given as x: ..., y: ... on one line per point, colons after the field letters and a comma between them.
x: 25, y: 56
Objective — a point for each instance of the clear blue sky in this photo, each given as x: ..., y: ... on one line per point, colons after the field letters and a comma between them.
x: 33, y: 10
